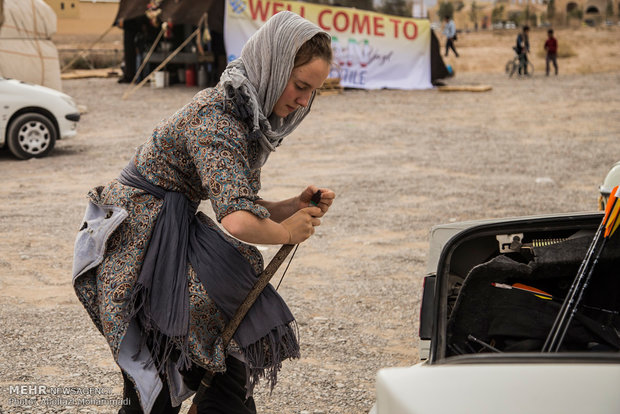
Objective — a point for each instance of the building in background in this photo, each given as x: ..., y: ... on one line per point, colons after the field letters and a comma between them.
x: 511, y: 14
x: 89, y: 18
x: 65, y: 8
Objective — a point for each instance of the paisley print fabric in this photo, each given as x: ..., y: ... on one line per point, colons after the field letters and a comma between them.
x: 201, y: 151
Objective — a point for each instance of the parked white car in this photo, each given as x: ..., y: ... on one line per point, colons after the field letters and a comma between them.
x: 510, y: 25
x: 33, y: 117
x: 491, y: 294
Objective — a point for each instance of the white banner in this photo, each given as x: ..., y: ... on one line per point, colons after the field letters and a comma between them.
x: 371, y: 50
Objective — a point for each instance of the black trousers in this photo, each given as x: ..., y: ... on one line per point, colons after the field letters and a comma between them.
x: 130, y: 29
x: 523, y: 63
x: 450, y: 45
x: 225, y: 396
x: 162, y: 405
x: 220, y: 60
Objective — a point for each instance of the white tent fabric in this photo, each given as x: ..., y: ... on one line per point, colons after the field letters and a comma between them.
x: 26, y: 50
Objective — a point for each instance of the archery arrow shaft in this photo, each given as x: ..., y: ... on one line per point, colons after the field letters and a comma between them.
x: 586, y: 269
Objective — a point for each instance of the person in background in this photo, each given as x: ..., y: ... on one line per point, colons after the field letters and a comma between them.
x: 523, y: 48
x: 130, y: 27
x: 212, y: 39
x: 215, y: 21
x: 551, y: 46
x: 449, y: 31
x: 611, y: 180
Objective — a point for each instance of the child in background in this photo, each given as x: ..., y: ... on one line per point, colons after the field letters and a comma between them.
x: 551, y: 46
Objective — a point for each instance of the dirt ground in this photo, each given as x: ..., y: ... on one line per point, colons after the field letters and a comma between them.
x: 399, y: 161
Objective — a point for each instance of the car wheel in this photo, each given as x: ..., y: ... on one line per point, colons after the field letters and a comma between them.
x: 31, y: 135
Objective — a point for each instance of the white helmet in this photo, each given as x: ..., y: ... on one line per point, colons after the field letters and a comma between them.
x: 611, y: 180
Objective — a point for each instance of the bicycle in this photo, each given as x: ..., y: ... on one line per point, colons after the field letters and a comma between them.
x: 512, y: 66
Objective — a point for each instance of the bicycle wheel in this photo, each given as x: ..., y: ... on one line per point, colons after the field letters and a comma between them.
x: 511, y: 67
x: 530, y: 69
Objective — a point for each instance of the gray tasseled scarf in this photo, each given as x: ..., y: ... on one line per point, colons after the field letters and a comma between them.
x: 258, y: 79
x: 160, y: 299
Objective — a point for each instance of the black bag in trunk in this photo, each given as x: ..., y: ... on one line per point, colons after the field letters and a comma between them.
x: 518, y: 321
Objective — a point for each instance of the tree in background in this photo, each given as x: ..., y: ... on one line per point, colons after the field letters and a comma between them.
x: 446, y: 9
x: 550, y: 10
x: 529, y: 17
x: 609, y: 10
x: 516, y: 16
x: 526, y: 14
x: 575, y: 13
x: 473, y: 14
x: 395, y: 8
x: 497, y: 14
x: 358, y: 4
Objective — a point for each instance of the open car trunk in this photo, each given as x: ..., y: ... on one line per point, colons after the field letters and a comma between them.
x: 482, y: 300
x: 481, y: 335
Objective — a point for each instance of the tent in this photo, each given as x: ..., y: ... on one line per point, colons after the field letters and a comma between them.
x: 400, y: 61
x: 438, y: 67
x: 26, y: 50
x: 179, y: 11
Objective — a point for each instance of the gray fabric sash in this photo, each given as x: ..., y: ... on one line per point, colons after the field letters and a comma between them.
x: 160, y: 301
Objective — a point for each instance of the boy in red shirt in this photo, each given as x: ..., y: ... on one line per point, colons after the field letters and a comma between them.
x: 551, y: 46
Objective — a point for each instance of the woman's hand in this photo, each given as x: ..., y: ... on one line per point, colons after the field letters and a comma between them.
x: 301, y: 225
x: 327, y: 198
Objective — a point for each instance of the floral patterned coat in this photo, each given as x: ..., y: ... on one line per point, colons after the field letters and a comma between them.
x: 203, y: 152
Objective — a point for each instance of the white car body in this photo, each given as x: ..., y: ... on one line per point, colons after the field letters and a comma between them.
x: 507, y: 388
x: 17, y: 97
x: 532, y: 382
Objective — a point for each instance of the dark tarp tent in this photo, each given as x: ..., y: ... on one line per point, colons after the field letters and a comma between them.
x: 438, y: 67
x: 179, y: 11
x: 133, y: 16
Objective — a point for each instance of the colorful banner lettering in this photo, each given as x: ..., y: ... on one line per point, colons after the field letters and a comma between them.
x: 371, y: 50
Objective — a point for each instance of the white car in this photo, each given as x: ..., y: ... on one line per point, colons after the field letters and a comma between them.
x: 493, y: 290
x: 33, y: 117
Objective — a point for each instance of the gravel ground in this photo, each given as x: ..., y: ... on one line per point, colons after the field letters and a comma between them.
x: 400, y: 162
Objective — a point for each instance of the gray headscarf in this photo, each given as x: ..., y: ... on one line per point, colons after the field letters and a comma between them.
x: 259, y: 77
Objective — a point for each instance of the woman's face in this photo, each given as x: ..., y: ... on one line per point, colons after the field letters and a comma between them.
x: 303, y: 81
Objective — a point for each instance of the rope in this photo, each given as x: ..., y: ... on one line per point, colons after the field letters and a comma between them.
x: 287, y: 265
x: 148, y: 56
x: 83, y: 52
x: 165, y: 62
x: 37, y: 45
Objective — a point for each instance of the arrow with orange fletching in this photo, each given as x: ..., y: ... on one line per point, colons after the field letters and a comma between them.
x: 608, y: 226
x: 524, y: 288
x: 544, y: 295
